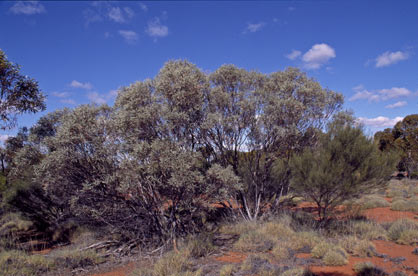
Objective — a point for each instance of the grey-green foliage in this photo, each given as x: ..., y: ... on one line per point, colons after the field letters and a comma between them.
x: 256, y: 119
x: 345, y: 165
x: 150, y: 166
x: 18, y: 93
x: 136, y: 168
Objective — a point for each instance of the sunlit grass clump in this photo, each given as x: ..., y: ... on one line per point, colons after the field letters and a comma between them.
x: 404, y: 231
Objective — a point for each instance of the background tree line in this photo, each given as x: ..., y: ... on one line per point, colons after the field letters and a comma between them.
x: 151, y: 167
x: 402, y: 138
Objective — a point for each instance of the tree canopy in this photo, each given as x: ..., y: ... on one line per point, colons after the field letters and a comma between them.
x: 18, y: 94
x: 402, y: 138
x: 154, y: 165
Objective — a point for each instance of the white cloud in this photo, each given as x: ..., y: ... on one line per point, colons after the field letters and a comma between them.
x: 115, y: 14
x: 120, y: 15
x: 389, y: 58
x: 379, y: 122
x: 294, y: 54
x: 96, y: 98
x: 318, y: 55
x: 3, y: 137
x: 156, y: 29
x: 60, y: 94
x: 27, y: 7
x: 379, y: 95
x: 252, y: 28
x: 143, y: 7
x: 397, y: 104
x: 113, y: 93
x: 77, y: 84
x: 68, y: 101
x: 100, y: 10
x: 129, y: 36
x: 291, y: 8
x: 100, y: 98
x: 394, y: 92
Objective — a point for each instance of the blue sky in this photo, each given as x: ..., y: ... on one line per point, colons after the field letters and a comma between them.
x: 82, y: 52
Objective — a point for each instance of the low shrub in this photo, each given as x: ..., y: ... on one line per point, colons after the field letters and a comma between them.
x: 367, y: 230
x: 227, y: 270
x: 255, y: 263
x: 373, y: 201
x: 369, y: 269
x: 74, y: 258
x: 355, y: 246
x: 280, y: 252
x: 239, y: 228
x: 254, y: 242
x: 358, y: 267
x: 304, y: 240
x: 294, y: 272
x: 364, y: 248
x: 405, y: 228
x: 200, y: 245
x: 321, y: 249
x: 172, y: 263
x: 18, y: 263
x: 276, y: 230
x: 331, y: 254
x: 409, y: 236
x: 335, y: 257
x: 405, y: 205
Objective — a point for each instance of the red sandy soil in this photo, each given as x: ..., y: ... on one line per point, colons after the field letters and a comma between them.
x: 232, y: 257
x: 120, y: 271
x: 385, y: 214
x: 42, y: 252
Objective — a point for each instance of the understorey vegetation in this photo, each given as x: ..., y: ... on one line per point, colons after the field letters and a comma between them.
x: 179, y: 154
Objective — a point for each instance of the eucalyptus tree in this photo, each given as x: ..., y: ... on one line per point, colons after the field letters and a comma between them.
x: 163, y: 172
x: 254, y: 120
x: 18, y: 93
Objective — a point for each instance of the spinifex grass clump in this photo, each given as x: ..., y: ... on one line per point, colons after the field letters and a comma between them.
x: 331, y: 254
x: 404, y: 231
x: 405, y: 204
x: 373, y: 201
